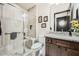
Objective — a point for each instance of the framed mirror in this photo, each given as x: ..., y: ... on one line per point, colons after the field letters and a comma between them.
x: 62, y: 21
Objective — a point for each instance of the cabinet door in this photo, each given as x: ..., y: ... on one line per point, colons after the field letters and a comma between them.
x: 71, y: 52
x: 60, y: 51
x: 50, y: 50
x: 63, y: 51
x: 53, y: 50
x: 47, y: 50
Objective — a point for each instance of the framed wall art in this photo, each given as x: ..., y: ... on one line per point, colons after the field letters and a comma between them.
x: 43, y: 25
x: 45, y: 18
x: 39, y: 19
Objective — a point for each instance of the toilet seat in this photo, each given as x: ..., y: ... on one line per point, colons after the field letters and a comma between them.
x: 36, y: 45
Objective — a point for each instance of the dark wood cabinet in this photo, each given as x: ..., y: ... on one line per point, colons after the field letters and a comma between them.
x: 59, y: 47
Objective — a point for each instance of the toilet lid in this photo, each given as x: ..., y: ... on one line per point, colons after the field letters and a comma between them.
x: 36, y: 45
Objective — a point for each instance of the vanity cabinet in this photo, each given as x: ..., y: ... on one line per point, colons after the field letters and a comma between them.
x: 60, y: 47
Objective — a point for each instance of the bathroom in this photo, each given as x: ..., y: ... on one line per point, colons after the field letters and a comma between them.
x: 25, y: 27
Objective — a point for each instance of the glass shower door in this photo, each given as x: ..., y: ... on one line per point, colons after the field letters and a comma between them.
x: 13, y: 20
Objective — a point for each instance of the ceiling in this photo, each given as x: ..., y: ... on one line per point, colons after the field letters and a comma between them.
x: 26, y: 6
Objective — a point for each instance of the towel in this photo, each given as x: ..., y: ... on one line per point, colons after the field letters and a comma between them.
x: 13, y: 35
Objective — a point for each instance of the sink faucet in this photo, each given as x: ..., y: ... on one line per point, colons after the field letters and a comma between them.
x: 70, y: 33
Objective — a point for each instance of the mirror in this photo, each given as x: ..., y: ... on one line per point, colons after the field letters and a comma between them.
x: 62, y: 21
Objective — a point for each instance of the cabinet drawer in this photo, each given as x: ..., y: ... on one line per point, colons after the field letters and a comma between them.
x: 53, y: 41
x: 49, y: 40
x: 68, y: 44
x: 63, y: 43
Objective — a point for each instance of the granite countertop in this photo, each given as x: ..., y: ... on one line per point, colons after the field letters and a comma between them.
x: 63, y: 36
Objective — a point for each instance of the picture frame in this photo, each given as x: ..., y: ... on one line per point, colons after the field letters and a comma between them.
x: 45, y: 18
x: 43, y: 25
x: 40, y: 19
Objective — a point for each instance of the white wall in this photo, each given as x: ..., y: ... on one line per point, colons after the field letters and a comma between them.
x: 32, y: 21
x: 42, y: 10
x: 58, y: 8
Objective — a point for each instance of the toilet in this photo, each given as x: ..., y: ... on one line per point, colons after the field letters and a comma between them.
x: 31, y: 48
x: 41, y: 39
x: 37, y: 48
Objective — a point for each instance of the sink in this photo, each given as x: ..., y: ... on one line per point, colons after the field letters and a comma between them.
x: 64, y: 34
x: 60, y: 33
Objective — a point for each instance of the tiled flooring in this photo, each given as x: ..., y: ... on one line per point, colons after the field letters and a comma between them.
x: 3, y: 52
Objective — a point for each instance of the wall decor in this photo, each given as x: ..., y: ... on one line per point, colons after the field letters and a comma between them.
x: 45, y: 18
x: 43, y: 25
x: 39, y: 19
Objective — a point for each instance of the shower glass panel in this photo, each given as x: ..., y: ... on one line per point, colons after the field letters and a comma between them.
x: 12, y: 22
